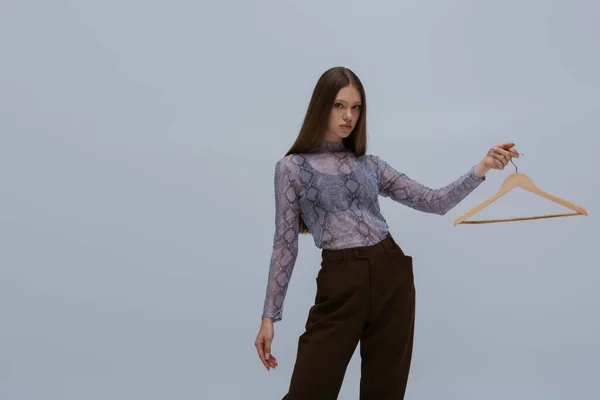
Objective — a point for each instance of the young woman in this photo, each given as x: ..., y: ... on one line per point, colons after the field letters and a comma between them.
x: 327, y: 185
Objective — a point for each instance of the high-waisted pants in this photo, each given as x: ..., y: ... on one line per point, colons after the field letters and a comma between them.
x: 364, y: 295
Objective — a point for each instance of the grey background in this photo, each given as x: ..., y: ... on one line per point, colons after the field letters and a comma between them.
x: 138, y: 144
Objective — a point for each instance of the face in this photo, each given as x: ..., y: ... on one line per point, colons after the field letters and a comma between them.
x: 344, y: 114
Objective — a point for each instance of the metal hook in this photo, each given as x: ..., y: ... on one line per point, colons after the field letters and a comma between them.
x: 516, y: 169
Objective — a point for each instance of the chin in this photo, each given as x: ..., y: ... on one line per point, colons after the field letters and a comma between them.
x: 342, y: 134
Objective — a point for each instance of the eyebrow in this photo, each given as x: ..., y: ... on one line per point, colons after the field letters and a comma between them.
x: 344, y: 101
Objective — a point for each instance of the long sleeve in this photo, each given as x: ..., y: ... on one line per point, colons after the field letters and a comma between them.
x: 399, y: 187
x: 285, y: 241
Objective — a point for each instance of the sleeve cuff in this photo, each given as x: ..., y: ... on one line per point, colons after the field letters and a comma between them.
x: 473, y: 176
x: 277, y: 316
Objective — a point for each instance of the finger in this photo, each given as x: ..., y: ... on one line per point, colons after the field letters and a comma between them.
x: 268, y: 355
x: 272, y: 362
x: 261, y: 354
x: 509, y: 147
x: 506, y: 156
x: 514, y: 152
x: 505, y: 153
x: 506, y: 146
x: 498, y: 160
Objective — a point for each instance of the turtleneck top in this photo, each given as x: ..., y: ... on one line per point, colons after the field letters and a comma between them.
x: 336, y: 194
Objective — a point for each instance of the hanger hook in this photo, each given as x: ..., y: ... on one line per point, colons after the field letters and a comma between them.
x: 516, y: 168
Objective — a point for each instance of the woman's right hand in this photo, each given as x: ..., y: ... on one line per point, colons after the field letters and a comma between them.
x: 263, y: 343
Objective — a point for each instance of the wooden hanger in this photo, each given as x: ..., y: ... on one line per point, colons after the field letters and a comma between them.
x: 512, y: 181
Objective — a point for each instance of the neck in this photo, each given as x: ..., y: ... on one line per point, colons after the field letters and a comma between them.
x: 331, y: 146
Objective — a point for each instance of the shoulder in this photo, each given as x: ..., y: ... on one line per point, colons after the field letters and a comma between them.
x: 289, y: 164
x: 373, y: 161
x: 289, y: 161
x: 379, y: 166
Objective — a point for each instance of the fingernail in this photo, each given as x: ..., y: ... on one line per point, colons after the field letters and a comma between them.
x: 267, y: 356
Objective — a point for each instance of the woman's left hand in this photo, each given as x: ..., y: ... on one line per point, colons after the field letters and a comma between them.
x: 496, y: 158
x: 499, y: 156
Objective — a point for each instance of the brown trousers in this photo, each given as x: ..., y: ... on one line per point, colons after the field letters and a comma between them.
x: 364, y: 295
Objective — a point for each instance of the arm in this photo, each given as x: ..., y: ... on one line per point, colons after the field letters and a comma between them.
x: 399, y: 187
x: 285, y: 241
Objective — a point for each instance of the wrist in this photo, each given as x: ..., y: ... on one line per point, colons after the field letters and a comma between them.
x: 481, y: 169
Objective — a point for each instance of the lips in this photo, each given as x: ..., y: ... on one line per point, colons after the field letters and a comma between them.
x: 346, y: 126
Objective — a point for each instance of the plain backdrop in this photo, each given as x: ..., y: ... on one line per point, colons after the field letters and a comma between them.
x: 138, y: 141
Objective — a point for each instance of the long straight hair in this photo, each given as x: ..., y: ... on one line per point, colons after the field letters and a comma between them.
x: 316, y: 119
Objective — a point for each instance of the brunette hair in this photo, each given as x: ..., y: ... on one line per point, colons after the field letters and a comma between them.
x: 316, y: 119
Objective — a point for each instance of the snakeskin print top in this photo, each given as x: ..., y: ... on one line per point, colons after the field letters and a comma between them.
x: 336, y: 194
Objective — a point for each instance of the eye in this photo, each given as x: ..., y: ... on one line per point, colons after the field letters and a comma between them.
x: 338, y: 105
x: 358, y: 106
